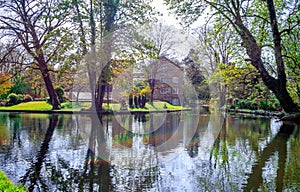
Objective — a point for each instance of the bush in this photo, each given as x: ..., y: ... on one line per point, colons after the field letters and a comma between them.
x: 277, y: 104
x: 60, y: 92
x: 27, y: 98
x: 254, y: 106
x: 266, y: 105
x: 244, y: 104
x: 14, y: 99
x: 48, y: 100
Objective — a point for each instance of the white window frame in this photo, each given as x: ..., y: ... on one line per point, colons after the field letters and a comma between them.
x: 163, y: 80
x: 164, y: 69
x: 163, y: 90
x: 175, y: 79
x: 175, y: 90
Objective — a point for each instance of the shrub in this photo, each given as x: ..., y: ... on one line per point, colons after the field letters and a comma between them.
x: 254, y: 106
x: 266, y: 105
x: 60, y: 92
x: 27, y: 98
x: 48, y: 100
x: 233, y: 106
x: 277, y: 104
x: 13, y: 98
x: 244, y: 104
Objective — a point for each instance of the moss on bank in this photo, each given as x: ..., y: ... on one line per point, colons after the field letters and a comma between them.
x: 8, y: 186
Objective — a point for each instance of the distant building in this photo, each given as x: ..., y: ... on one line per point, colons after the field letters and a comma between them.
x: 86, y: 96
x: 169, y: 80
x: 166, y: 76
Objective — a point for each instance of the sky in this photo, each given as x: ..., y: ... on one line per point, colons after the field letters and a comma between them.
x: 168, y: 18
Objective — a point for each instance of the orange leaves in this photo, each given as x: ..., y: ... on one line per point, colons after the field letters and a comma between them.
x: 5, y: 83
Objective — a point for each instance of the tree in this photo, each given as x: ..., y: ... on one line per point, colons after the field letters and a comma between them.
x: 5, y: 83
x: 250, y: 20
x: 97, y: 39
x: 164, y: 37
x: 239, y: 80
x: 37, y: 27
x: 196, y: 75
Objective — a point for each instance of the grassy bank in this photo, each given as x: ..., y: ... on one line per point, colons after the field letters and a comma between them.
x: 84, y: 106
x: 8, y: 186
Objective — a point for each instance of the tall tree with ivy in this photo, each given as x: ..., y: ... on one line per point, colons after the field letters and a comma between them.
x: 262, y: 27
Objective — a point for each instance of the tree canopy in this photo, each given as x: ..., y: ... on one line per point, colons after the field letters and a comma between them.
x: 262, y: 27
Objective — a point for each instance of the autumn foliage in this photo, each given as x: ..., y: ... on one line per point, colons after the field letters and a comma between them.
x: 5, y: 83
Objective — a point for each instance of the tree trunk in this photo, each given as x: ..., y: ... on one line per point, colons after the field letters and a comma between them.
x: 100, y: 90
x: 50, y: 89
x: 277, y: 86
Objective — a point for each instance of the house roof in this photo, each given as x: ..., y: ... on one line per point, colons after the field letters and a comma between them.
x: 164, y: 58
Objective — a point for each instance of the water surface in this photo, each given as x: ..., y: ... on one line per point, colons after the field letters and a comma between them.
x: 152, y: 152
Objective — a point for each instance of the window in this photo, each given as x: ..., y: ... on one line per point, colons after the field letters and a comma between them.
x: 164, y: 69
x: 175, y: 90
x: 175, y: 79
x: 163, y: 80
x: 164, y: 90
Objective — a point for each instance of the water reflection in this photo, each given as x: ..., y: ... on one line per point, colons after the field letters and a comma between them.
x: 149, y: 152
x: 279, y: 145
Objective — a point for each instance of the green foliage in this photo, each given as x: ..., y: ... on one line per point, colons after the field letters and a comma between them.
x: 19, y: 85
x: 244, y: 104
x: 14, y: 98
x: 263, y: 104
x: 257, y: 28
x: 60, y: 92
x: 266, y: 105
x: 240, y: 80
x: 7, y: 186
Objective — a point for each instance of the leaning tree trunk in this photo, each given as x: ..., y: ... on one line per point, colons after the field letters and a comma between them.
x: 50, y: 89
x: 277, y: 86
x: 280, y: 89
x: 48, y: 82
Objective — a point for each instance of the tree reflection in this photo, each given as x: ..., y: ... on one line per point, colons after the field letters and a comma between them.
x: 33, y: 173
x: 97, y: 161
x: 107, y: 153
x: 279, y: 144
x: 193, y: 146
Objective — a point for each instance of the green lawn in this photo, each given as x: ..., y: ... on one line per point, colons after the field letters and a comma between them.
x: 43, y: 106
x: 157, y: 106
x: 7, y: 186
x: 33, y: 105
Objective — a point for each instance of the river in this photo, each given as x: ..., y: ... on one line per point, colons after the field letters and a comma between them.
x: 149, y: 152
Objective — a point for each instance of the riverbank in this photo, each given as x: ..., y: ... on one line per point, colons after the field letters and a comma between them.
x: 281, y: 115
x: 278, y: 114
x: 84, y: 108
x: 7, y: 185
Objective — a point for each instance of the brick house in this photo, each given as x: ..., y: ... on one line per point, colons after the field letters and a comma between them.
x: 169, y: 80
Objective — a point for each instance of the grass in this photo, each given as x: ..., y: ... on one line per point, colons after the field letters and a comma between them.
x: 33, y: 105
x: 157, y: 106
x: 8, y: 186
x: 68, y: 106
